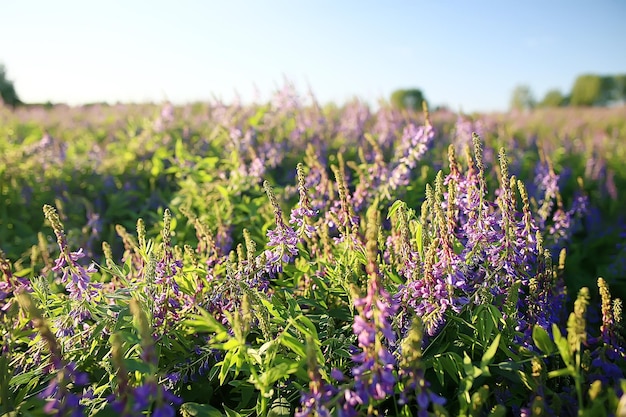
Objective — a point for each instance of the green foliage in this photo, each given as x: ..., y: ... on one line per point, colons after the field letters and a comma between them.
x: 259, y: 356
x: 7, y: 90
x: 586, y: 91
x: 410, y: 99
x: 620, y: 88
x: 553, y: 98
x: 522, y: 98
x: 597, y: 90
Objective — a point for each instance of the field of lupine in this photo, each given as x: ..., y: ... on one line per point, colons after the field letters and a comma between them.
x: 286, y: 259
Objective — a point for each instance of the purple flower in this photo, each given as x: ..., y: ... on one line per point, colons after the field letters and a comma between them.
x: 60, y: 401
x: 314, y: 402
x: 77, y: 277
x: 374, y: 375
x: 297, y: 218
x: 282, y: 240
x: 147, y: 397
x: 414, y: 143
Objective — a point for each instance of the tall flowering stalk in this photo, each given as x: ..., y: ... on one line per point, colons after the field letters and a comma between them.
x: 282, y: 240
x: 76, y: 277
x: 439, y: 283
x: 415, y: 387
x: 60, y: 394
x: 342, y: 215
x: 148, y: 396
x: 374, y: 376
x: 315, y: 402
x: 577, y: 338
x: 302, y: 214
x: 413, y: 145
x: 610, y: 350
x: 169, y: 300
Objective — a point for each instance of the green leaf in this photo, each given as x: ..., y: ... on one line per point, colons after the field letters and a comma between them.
x: 278, y: 372
x: 490, y: 352
x: 280, y: 408
x: 449, y: 363
x: 21, y: 379
x: 205, y: 323
x: 419, y: 230
x: 230, y: 412
x: 223, y: 191
x: 509, y: 366
x: 528, y: 382
x: 28, y: 389
x: 257, y: 118
x: 294, y: 344
x: 133, y: 365
x: 562, y: 345
x: 394, y: 207
x: 542, y: 340
x: 199, y: 410
x: 225, y: 366
x: 309, y: 325
x: 560, y: 372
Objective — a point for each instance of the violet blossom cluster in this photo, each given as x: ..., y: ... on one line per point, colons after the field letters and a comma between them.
x: 10, y: 285
x: 316, y: 402
x: 414, y: 143
x: 411, y: 373
x: 302, y: 214
x: 552, y: 214
x: 374, y: 376
x: 67, y: 385
x: 148, y: 397
x: 169, y: 301
x: 353, y: 121
x: 388, y: 122
x: 49, y: 151
x: 282, y: 240
x: 476, y: 249
x: 62, y: 402
x: 75, y: 276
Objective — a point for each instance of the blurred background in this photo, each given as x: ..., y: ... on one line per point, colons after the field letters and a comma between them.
x: 466, y: 56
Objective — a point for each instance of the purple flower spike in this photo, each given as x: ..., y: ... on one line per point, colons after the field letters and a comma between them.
x: 374, y: 377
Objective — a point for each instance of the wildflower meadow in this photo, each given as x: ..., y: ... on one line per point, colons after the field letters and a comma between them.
x: 296, y: 259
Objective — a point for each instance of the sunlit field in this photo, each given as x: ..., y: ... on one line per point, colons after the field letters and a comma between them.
x: 292, y: 258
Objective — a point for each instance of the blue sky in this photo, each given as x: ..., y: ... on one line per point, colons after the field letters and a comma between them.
x: 469, y: 55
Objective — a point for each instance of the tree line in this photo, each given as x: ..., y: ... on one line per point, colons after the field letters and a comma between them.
x: 588, y: 90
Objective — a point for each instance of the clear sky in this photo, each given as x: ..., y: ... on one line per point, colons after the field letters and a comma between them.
x: 467, y: 54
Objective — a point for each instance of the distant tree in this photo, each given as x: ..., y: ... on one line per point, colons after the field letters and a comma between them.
x: 553, y: 98
x: 7, y: 90
x: 587, y: 91
x: 618, y: 89
x: 599, y: 90
x: 408, y: 99
x: 522, y: 98
x: 621, y: 84
x: 608, y: 90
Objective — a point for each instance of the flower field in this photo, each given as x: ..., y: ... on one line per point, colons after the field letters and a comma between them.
x: 288, y: 258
